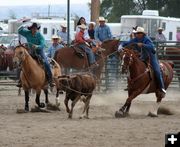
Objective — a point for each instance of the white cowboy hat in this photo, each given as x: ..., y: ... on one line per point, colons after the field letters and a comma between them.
x: 82, y: 26
x: 102, y: 19
x: 140, y: 30
x: 56, y: 37
x: 160, y: 28
x: 63, y: 25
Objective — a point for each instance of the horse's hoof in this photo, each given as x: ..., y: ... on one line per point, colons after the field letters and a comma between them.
x: 42, y: 105
x: 119, y: 114
x: 21, y: 111
x: 52, y: 107
x: 84, y: 116
x: 152, y: 114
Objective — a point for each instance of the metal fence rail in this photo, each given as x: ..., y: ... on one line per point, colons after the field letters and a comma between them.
x: 111, y: 77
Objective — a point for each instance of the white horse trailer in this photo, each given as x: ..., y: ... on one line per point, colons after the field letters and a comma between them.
x: 48, y: 28
x: 151, y: 21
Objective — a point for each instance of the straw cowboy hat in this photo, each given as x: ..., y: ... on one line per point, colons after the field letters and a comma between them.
x: 63, y: 25
x: 56, y: 37
x: 34, y: 25
x: 140, y: 30
x: 82, y: 26
x: 160, y: 29
x: 102, y: 19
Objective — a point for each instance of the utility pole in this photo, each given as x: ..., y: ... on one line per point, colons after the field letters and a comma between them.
x: 95, y: 10
x: 68, y: 22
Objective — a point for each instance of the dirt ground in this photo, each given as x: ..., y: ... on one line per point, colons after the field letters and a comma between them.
x: 101, y: 130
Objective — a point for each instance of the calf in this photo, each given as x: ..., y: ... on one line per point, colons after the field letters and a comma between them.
x: 75, y: 87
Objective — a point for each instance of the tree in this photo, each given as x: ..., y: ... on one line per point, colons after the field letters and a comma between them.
x: 95, y: 8
x: 113, y: 9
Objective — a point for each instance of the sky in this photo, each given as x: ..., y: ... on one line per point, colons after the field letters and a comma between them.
x: 38, y: 2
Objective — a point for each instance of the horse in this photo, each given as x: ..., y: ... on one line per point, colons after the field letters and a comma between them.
x: 6, y: 58
x: 32, y: 76
x: 173, y: 54
x: 141, y: 79
x: 67, y: 58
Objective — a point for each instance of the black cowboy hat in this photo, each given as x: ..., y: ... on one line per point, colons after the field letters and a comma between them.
x: 34, y: 25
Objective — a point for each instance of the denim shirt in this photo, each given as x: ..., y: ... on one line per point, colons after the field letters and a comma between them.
x: 148, y: 48
x: 102, y: 33
x: 53, y: 48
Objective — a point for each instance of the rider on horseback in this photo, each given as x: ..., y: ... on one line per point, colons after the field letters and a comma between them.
x: 36, y: 42
x: 146, y: 47
x: 82, y: 42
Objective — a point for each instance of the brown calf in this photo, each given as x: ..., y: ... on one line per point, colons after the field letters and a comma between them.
x: 75, y: 87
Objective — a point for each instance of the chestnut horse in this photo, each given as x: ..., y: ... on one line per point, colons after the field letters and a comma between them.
x: 32, y: 76
x: 142, y: 80
x: 67, y: 58
x: 173, y: 54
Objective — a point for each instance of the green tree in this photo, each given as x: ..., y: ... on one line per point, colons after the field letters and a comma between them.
x: 113, y: 9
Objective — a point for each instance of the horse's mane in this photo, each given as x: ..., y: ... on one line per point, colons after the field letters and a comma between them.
x: 22, y: 45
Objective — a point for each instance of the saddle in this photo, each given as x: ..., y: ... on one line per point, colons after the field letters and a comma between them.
x: 80, y: 52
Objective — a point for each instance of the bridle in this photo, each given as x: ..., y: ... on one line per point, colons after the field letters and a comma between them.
x: 127, y: 60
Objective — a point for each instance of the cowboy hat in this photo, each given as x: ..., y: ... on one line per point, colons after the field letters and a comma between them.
x: 56, y: 37
x: 160, y: 28
x: 140, y: 30
x: 102, y: 19
x: 63, y: 25
x: 34, y: 25
x: 82, y: 26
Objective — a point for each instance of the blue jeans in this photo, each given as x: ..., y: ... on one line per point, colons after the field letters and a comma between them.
x: 46, y: 63
x: 89, y: 53
x: 155, y: 65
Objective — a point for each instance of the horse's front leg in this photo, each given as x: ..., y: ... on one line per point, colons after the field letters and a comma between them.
x: 26, y: 100
x: 124, y: 110
x: 40, y: 105
x: 46, y: 96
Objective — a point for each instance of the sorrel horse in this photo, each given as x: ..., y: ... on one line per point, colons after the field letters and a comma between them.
x: 142, y: 80
x: 32, y: 76
x: 173, y: 54
x: 67, y: 58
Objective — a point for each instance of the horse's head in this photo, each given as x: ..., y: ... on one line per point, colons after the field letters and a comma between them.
x: 20, y: 53
x: 127, y: 57
x: 110, y: 46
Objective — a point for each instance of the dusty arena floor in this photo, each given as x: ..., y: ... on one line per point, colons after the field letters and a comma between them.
x: 101, y: 130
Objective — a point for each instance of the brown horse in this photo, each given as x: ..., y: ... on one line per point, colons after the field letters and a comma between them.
x: 67, y: 58
x: 32, y: 76
x: 141, y: 79
x: 6, y: 58
x: 173, y: 54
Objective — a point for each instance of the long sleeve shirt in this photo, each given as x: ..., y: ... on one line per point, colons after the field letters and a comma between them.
x: 63, y: 36
x: 86, y: 35
x: 52, y: 49
x: 148, y: 46
x: 160, y: 37
x: 102, y: 33
x: 36, y: 39
x: 79, y: 38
